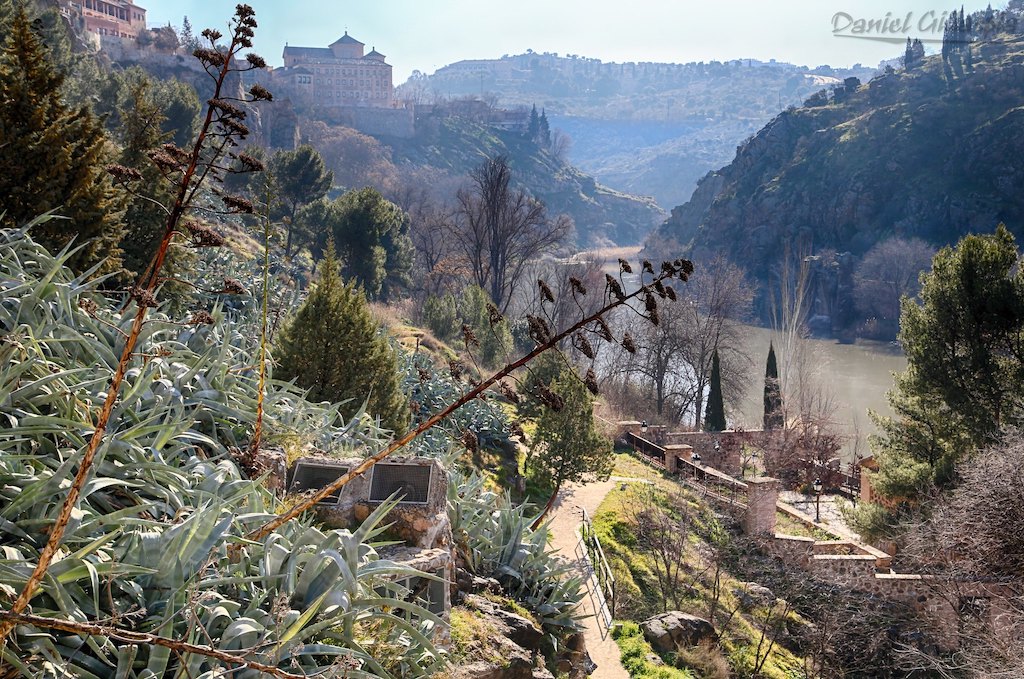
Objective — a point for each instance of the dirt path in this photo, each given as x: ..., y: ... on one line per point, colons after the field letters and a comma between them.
x: 565, y: 522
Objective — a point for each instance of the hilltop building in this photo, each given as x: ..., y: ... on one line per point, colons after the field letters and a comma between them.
x: 103, y: 19
x: 339, y: 75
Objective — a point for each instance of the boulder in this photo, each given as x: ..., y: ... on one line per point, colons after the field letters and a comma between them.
x: 751, y: 595
x: 669, y: 631
x: 515, y: 627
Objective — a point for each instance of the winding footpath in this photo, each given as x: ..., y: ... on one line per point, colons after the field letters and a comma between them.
x: 565, y: 522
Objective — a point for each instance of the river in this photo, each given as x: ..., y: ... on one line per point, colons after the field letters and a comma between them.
x: 856, y: 375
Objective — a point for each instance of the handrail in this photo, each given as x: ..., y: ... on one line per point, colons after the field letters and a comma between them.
x: 603, y: 571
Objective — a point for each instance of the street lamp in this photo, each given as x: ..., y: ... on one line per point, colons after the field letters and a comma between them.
x: 695, y: 458
x: 817, y: 500
x: 643, y: 427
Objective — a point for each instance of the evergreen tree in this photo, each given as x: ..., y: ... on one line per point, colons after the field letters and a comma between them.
x: 335, y: 348
x: 140, y: 132
x: 188, y: 40
x: 567, y: 446
x: 495, y: 338
x: 544, y: 130
x: 714, y: 418
x: 302, y: 178
x: 53, y: 157
x: 533, y: 129
x: 908, y: 55
x: 372, y: 237
x: 774, y: 418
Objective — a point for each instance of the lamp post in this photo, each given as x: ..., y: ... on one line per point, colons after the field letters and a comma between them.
x: 695, y: 458
x: 643, y: 427
x: 817, y: 500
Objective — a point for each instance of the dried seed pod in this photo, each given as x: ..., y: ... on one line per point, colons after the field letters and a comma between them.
x: 584, y: 345
x: 508, y: 392
x: 550, y: 398
x: 469, y: 337
x: 545, y: 291
x: 653, y: 317
x: 648, y: 267
x: 456, y: 369
x: 577, y: 285
x: 669, y: 269
x: 628, y: 344
x: 614, y: 288
x: 591, y: 381
x: 123, y: 174
x: 660, y: 289
x: 470, y: 440
x: 493, y: 315
x: 234, y: 287
x: 87, y: 305
x: 424, y: 375
x: 603, y: 330
x: 670, y: 293
x: 685, y: 267
x: 203, y: 235
x: 142, y: 297
x: 624, y: 266
x: 538, y: 329
x: 650, y: 303
x: 201, y: 318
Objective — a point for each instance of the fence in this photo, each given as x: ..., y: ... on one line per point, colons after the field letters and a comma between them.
x: 589, y: 546
x: 652, y: 451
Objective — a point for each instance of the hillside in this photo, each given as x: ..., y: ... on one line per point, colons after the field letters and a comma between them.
x: 932, y: 153
x: 602, y: 215
x: 647, y: 128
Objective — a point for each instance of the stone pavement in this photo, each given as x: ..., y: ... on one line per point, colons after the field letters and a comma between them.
x: 565, y: 522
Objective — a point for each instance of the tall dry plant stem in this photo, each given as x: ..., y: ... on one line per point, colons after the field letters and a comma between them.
x: 128, y: 637
x: 680, y: 268
x: 144, y: 295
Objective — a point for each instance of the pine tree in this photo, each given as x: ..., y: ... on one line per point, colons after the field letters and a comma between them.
x: 773, y: 415
x: 533, y: 129
x: 714, y: 418
x: 544, y: 134
x: 335, y: 348
x: 908, y: 55
x: 567, y: 446
x: 53, y: 157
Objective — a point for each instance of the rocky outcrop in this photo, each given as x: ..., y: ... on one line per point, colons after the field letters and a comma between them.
x: 673, y: 630
x: 922, y: 154
x: 750, y: 595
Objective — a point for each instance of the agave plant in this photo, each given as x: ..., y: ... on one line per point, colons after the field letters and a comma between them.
x: 494, y: 537
x: 155, y: 545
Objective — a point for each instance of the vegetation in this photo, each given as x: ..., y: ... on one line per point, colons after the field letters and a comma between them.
x: 714, y: 418
x: 334, y: 348
x: 960, y: 391
x: 52, y: 157
x: 790, y: 183
x: 773, y: 409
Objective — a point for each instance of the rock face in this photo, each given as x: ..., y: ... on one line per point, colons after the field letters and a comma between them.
x: 513, y: 626
x: 925, y: 154
x: 669, y: 631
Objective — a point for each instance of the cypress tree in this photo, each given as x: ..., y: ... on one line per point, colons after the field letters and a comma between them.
x: 714, y: 417
x: 53, y: 157
x: 533, y: 129
x: 335, y: 348
x: 773, y: 416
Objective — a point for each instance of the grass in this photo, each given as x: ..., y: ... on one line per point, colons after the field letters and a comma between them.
x: 639, y: 594
x: 787, y: 525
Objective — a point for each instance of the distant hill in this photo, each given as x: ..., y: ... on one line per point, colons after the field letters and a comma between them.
x: 933, y: 153
x: 647, y: 128
x: 602, y: 215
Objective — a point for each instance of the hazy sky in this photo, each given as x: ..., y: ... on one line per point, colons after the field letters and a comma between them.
x: 428, y: 34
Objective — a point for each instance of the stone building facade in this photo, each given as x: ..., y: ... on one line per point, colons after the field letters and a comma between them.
x: 339, y: 75
x: 103, y: 19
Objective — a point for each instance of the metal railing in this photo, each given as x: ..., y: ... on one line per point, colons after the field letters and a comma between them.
x: 649, y: 449
x: 589, y: 548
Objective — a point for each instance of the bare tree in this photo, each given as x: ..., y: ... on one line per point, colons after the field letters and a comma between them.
x: 973, y: 545
x: 499, y: 229
x: 673, y: 359
x: 889, y: 271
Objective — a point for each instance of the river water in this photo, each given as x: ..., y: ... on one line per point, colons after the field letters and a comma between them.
x: 857, y: 376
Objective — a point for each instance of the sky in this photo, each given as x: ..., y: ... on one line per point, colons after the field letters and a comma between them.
x: 425, y: 35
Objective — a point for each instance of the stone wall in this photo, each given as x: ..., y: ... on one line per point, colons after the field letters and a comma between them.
x: 727, y: 457
x: 377, y: 121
